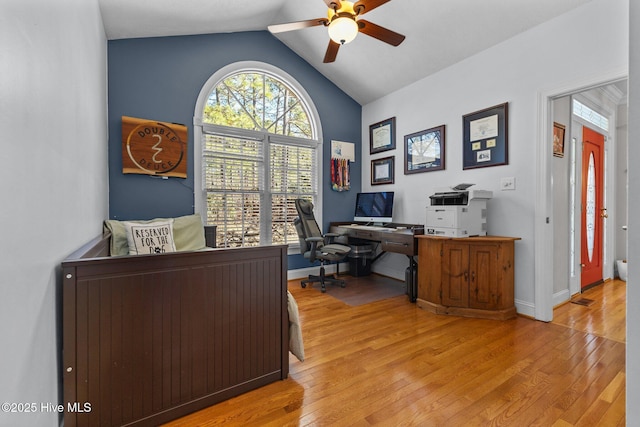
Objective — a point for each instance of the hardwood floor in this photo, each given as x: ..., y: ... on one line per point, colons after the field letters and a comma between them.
x: 390, y: 363
x: 606, y: 317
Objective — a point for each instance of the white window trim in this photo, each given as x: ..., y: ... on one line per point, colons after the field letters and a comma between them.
x: 199, y: 195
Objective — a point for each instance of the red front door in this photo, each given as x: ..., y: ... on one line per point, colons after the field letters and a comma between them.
x: 593, y: 212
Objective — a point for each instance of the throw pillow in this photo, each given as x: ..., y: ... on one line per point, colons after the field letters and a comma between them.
x: 150, y: 238
x: 188, y: 233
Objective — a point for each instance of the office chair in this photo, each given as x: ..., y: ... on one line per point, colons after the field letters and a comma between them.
x: 316, y: 246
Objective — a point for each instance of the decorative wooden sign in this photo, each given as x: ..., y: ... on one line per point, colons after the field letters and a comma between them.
x: 154, y: 148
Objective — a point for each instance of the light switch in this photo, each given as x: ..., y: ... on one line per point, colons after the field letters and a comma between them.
x: 508, y: 183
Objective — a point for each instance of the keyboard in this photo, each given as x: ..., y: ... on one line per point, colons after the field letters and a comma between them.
x: 370, y: 227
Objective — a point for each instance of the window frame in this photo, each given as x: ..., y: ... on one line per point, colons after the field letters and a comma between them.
x: 200, y: 195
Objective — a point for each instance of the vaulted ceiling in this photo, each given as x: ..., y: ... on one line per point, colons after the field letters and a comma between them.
x: 438, y: 33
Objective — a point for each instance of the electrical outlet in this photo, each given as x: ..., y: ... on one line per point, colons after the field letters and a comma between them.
x: 507, y: 183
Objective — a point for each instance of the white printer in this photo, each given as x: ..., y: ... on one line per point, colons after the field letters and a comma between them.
x: 458, y: 212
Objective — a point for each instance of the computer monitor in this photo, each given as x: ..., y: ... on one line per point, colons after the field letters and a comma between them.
x: 374, y: 207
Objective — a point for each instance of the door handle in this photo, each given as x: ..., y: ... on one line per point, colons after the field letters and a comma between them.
x: 603, y: 213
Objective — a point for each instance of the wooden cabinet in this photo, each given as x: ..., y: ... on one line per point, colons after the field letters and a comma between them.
x: 467, y: 276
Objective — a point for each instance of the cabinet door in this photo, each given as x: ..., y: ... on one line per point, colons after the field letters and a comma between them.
x: 455, y: 274
x: 430, y: 270
x: 485, y: 278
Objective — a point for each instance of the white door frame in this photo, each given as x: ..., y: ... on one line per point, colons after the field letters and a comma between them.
x: 543, y: 230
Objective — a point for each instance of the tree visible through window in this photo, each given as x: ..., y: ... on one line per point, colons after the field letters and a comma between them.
x: 259, y: 154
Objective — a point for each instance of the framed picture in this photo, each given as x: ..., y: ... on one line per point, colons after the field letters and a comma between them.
x: 485, y: 137
x: 424, y: 151
x: 382, y: 171
x: 558, y: 139
x: 382, y: 136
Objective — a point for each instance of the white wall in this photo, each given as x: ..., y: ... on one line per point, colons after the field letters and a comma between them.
x: 633, y: 246
x: 551, y: 55
x: 53, y: 182
x: 621, y: 191
x: 561, y: 167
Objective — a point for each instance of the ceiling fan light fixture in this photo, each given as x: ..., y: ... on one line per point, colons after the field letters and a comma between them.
x: 343, y: 29
x: 344, y: 23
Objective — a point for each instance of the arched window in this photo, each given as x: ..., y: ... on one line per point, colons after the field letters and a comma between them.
x: 259, y: 151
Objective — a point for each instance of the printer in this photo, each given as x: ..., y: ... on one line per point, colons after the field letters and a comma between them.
x: 458, y: 212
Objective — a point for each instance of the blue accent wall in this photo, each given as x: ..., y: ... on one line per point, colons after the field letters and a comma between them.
x: 160, y: 79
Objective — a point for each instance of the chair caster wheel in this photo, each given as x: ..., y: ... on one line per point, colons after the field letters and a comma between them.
x: 343, y: 285
x: 304, y: 285
x: 323, y: 291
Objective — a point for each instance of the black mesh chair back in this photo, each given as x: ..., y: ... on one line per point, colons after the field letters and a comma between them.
x: 317, y: 246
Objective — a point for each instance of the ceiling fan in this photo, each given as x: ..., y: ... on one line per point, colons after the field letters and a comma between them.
x: 344, y: 23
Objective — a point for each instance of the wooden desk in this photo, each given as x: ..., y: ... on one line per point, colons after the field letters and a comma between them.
x: 472, y: 276
x: 392, y: 239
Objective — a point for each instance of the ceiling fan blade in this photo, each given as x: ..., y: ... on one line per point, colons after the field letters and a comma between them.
x: 380, y: 33
x: 367, y: 5
x: 332, y: 52
x: 281, y: 28
x: 334, y: 4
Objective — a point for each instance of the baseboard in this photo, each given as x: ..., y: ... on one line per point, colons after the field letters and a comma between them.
x: 388, y: 272
x: 525, y: 308
x: 561, y: 297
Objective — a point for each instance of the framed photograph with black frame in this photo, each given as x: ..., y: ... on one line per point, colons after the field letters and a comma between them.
x: 424, y: 150
x: 382, y: 136
x: 485, y: 137
x: 382, y: 171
